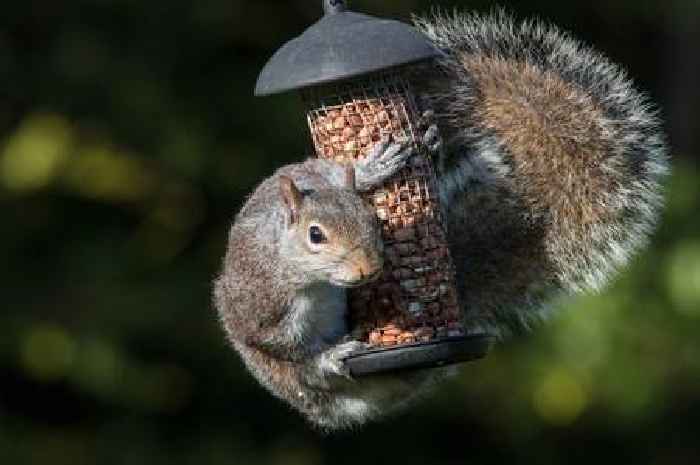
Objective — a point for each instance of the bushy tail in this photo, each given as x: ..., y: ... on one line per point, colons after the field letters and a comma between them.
x: 538, y: 120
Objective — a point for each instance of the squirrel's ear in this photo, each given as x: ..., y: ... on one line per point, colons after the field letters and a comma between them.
x: 350, y: 177
x: 291, y: 196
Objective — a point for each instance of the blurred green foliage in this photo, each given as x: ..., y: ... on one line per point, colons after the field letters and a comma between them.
x: 128, y: 139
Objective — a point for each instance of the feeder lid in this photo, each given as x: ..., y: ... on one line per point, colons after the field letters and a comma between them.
x: 341, y: 45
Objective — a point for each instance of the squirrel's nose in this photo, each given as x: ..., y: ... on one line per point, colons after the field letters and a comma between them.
x: 364, y: 269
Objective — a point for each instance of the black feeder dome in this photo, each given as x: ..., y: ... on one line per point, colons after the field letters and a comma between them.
x: 341, y: 45
x: 347, y: 48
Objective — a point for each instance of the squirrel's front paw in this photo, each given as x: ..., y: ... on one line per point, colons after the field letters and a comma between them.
x: 331, y: 362
x: 431, y: 138
x: 384, y: 160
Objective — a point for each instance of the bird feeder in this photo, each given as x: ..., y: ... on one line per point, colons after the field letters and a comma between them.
x: 353, y: 71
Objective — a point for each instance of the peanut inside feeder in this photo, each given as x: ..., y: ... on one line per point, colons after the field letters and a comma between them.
x: 415, y: 300
x: 352, y: 69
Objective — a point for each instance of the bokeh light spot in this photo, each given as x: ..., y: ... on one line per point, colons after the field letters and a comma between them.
x: 47, y: 352
x: 101, y: 172
x: 33, y: 155
x: 560, y: 398
x: 97, y: 367
x: 683, y: 278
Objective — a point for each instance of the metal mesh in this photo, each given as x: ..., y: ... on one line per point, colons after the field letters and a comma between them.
x: 415, y: 299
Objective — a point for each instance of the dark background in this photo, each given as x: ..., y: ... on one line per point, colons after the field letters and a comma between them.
x: 129, y: 137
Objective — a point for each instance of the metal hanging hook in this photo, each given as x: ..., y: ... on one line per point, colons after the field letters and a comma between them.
x: 334, y: 6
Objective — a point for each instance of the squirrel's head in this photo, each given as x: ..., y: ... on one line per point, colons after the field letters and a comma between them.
x: 332, y: 234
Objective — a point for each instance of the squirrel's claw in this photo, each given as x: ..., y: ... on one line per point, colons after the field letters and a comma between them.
x: 433, y: 143
x: 432, y: 139
x: 426, y: 119
x: 377, y: 150
x: 331, y: 362
x: 382, y: 162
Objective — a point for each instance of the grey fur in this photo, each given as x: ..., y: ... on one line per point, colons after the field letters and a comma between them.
x: 283, y: 306
x: 496, y: 231
x: 537, y: 205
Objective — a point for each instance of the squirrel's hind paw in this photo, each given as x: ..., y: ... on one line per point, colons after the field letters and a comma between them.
x: 331, y: 362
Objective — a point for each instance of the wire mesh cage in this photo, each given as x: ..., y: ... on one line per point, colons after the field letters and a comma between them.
x: 355, y: 73
x: 415, y: 299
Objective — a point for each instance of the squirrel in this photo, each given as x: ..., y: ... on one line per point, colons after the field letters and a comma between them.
x: 303, y: 237
x: 550, y: 169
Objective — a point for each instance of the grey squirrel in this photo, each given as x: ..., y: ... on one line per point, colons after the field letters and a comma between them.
x: 302, y: 238
x: 550, y: 170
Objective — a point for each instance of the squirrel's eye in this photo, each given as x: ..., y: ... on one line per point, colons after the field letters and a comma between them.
x: 316, y: 236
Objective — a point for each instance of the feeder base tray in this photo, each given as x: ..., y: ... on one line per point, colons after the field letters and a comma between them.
x: 420, y: 355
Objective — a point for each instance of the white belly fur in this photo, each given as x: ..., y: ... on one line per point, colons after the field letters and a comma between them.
x: 318, y: 314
